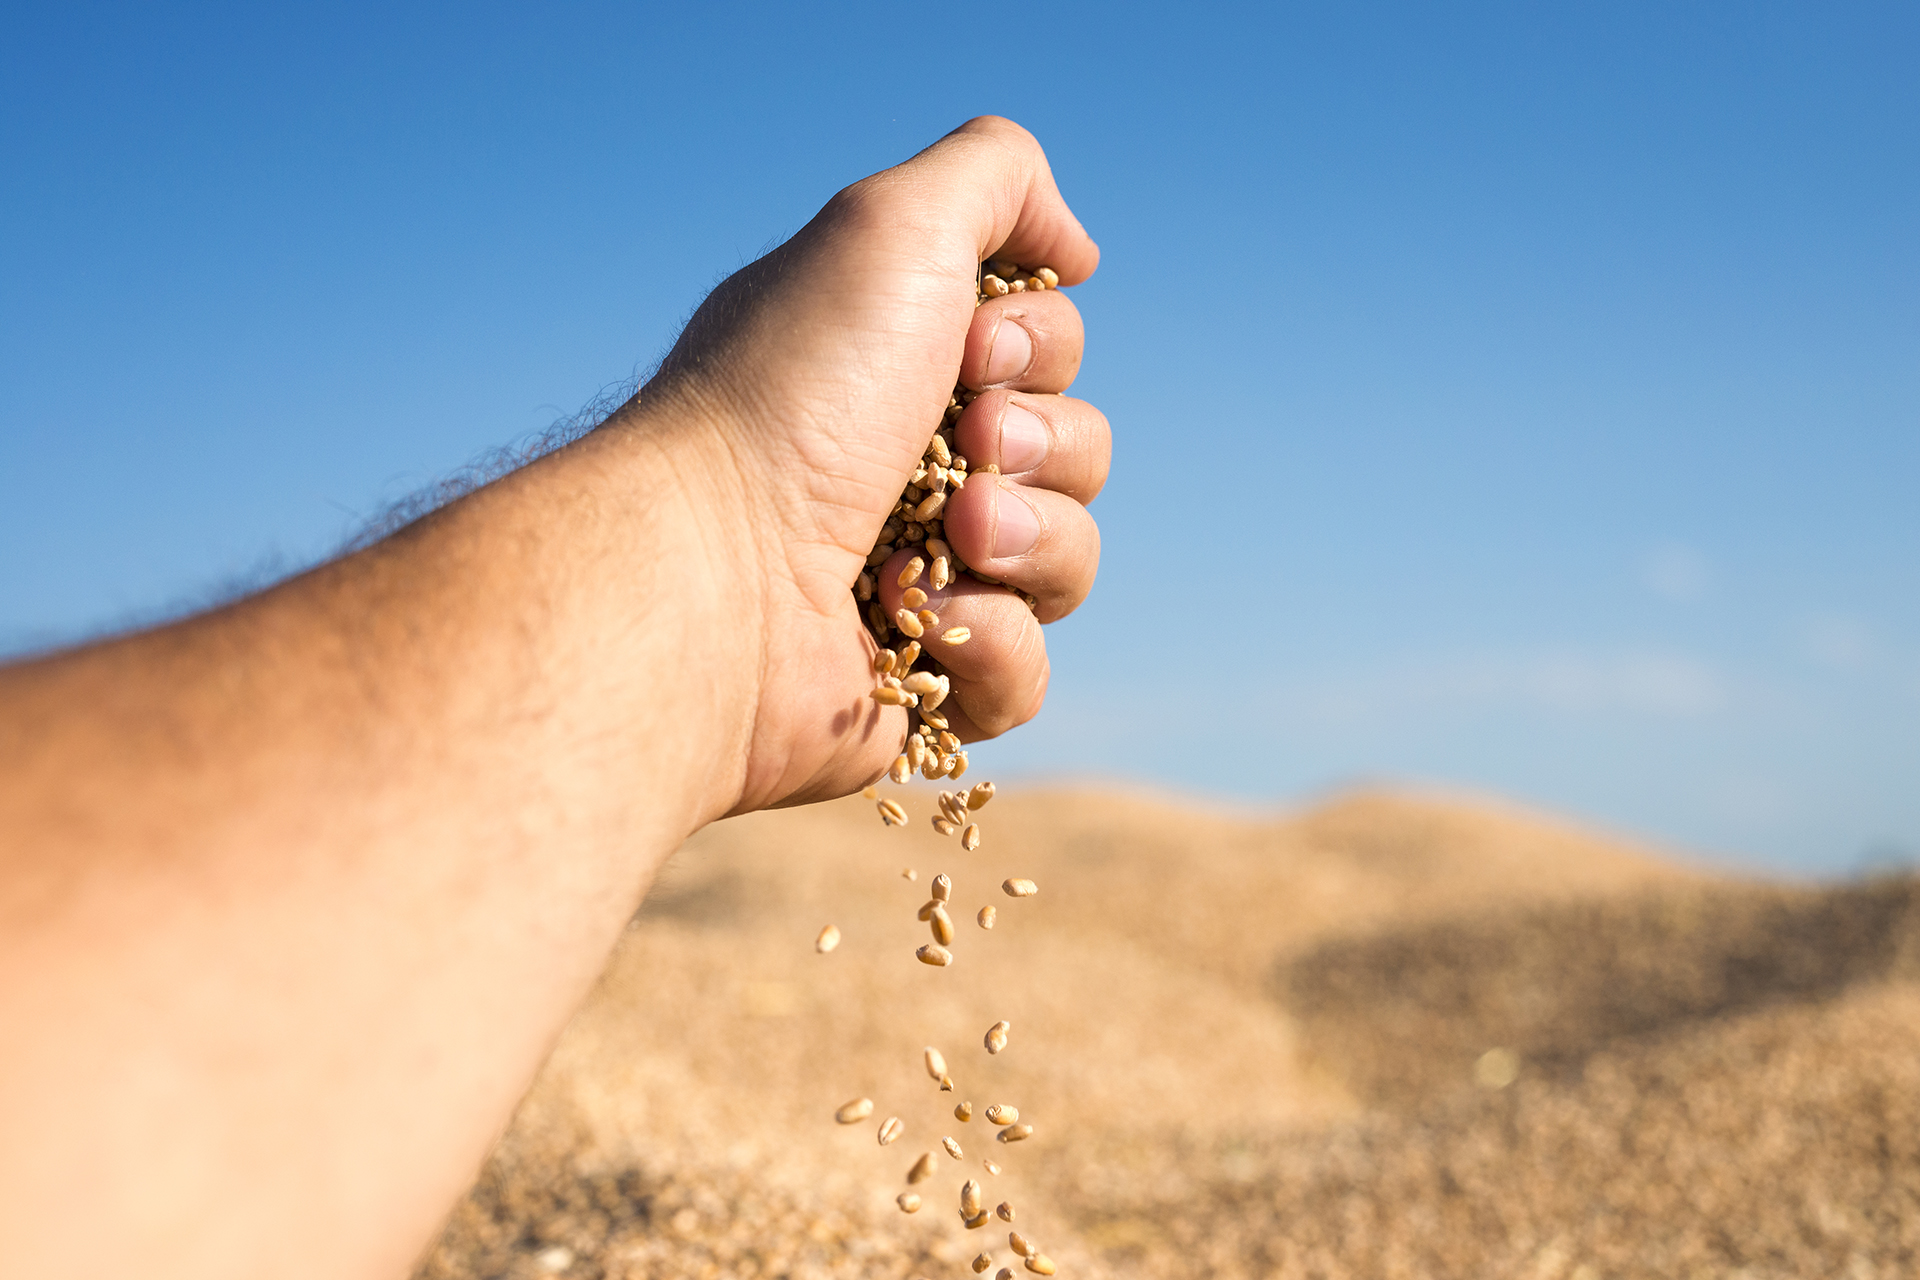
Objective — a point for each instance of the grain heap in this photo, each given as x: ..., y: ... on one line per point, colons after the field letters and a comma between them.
x: 912, y: 677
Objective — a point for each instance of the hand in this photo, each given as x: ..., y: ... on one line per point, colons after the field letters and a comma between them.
x: 803, y: 393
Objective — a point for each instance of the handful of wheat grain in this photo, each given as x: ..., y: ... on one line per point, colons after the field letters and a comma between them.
x: 909, y: 676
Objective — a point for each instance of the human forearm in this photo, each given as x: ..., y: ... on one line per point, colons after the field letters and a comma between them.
x: 269, y: 868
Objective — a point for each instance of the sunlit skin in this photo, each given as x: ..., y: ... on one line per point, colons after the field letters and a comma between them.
x: 297, y: 894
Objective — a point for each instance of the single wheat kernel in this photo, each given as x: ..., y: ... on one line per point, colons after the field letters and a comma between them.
x: 946, y: 1084
x: 964, y: 1112
x: 1002, y: 1113
x: 993, y: 286
x: 878, y: 556
x: 953, y: 1149
x: 890, y: 1130
x: 904, y: 619
x: 935, y: 1061
x: 978, y: 797
x: 939, y: 696
x: 941, y: 574
x: 1048, y: 274
x: 1003, y: 1211
x: 1002, y: 267
x: 943, y: 887
x: 1020, y: 1244
x: 891, y: 813
x: 908, y: 1202
x: 944, y: 826
x: 829, y: 939
x: 902, y: 769
x: 928, y: 619
x: 990, y: 1167
x: 935, y: 768
x: 926, y: 909
x: 956, y: 635
x: 923, y: 1168
x: 969, y: 1194
x: 1015, y: 1133
x: 939, y: 957
x: 970, y: 838
x: 1004, y: 1273
x: 1041, y: 1265
x: 921, y: 682
x: 959, y: 764
x: 883, y: 662
x: 957, y: 477
x: 863, y: 587
x: 913, y: 598
x: 909, y: 874
x: 987, y: 916
x: 911, y: 573
x: 949, y: 743
x: 976, y: 1221
x: 916, y: 751
x: 997, y: 1036
x: 869, y: 792
x: 1017, y: 285
x: 930, y: 507
x: 1020, y: 888
x: 934, y: 720
x: 908, y: 656
x: 938, y: 447
x: 942, y: 926
x: 981, y: 1263
x: 889, y: 697
x: 854, y: 1112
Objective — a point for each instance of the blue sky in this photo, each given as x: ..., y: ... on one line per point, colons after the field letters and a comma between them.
x: 1511, y: 399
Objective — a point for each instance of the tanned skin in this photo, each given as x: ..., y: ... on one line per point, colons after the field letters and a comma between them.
x: 296, y: 895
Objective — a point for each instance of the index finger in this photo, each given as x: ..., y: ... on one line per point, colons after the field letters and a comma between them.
x: 994, y: 174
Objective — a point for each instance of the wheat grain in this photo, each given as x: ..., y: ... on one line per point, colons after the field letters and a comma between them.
x: 829, y: 939
x: 854, y: 1112
x: 997, y: 1036
x: 1002, y: 1113
x: 953, y: 1148
x: 963, y: 1112
x: 923, y: 1168
x: 908, y: 1202
x: 1014, y: 1133
x: 1020, y: 888
x: 890, y: 1130
x: 939, y: 957
x: 987, y: 916
x: 1041, y: 1265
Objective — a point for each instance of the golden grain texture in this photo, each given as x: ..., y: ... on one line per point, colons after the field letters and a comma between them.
x: 1713, y: 1077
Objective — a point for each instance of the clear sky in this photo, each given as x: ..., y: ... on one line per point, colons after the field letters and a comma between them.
x: 1519, y: 399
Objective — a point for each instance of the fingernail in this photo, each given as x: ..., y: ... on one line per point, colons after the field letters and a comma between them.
x: 1023, y: 440
x: 1016, y: 526
x: 1011, y: 352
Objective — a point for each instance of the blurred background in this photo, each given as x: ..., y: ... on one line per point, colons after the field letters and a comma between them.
x: 1510, y: 400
